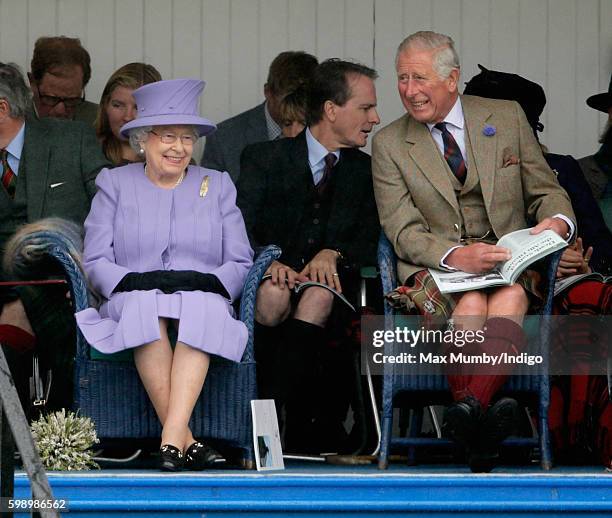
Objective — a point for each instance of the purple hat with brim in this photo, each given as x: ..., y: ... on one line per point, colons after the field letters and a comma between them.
x: 170, y: 103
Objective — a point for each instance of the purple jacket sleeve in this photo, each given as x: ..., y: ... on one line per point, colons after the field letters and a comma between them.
x: 237, y: 252
x: 98, y: 255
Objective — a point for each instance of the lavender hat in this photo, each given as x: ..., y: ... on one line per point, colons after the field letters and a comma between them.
x: 168, y: 103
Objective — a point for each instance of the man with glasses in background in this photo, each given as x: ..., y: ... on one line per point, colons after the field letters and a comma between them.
x: 60, y: 70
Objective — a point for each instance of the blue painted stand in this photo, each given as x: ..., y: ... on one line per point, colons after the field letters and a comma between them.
x: 332, y: 491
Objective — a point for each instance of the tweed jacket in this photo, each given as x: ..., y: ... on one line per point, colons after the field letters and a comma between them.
x: 273, y: 194
x: 57, y: 172
x: 224, y: 146
x: 417, y: 204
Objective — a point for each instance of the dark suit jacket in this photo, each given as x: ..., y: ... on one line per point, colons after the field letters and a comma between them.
x: 591, y: 225
x: 58, y: 167
x: 224, y: 146
x: 594, y: 175
x: 273, y: 194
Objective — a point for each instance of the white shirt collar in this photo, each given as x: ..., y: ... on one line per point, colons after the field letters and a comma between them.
x: 454, y: 116
x: 317, y: 151
x: 15, y: 147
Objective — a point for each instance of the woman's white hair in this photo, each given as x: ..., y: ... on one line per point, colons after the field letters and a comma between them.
x: 137, y: 136
x: 445, y: 58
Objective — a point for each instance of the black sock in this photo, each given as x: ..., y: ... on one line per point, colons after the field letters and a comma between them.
x: 267, y: 341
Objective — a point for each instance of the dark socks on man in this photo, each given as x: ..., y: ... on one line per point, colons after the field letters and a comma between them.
x: 296, y: 370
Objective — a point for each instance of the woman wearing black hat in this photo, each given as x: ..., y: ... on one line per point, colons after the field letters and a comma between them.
x: 580, y: 412
x: 597, y: 168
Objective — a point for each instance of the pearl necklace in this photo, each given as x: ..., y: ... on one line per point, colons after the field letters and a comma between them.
x: 178, y: 182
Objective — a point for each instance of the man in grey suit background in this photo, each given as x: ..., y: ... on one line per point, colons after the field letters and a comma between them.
x: 48, y: 168
x: 288, y: 71
x: 451, y: 176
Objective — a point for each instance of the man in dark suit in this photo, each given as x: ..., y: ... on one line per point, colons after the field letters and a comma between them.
x: 288, y: 71
x: 312, y: 196
x: 48, y: 168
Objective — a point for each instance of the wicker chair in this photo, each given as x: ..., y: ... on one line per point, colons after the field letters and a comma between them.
x: 418, y: 388
x: 111, y: 394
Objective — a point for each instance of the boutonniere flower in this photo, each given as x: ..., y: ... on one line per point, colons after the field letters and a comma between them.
x: 489, y: 131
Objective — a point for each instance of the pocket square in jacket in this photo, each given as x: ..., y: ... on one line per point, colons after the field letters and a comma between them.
x: 54, y: 185
x: 509, y: 158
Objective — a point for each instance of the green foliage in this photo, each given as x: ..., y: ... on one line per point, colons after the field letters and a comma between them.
x: 64, y: 441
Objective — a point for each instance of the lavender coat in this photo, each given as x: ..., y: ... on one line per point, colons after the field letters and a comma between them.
x: 135, y: 226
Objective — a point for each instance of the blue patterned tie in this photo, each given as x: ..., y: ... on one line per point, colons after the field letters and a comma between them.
x: 452, y: 153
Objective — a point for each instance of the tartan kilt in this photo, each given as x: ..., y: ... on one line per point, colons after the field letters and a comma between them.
x: 420, y: 294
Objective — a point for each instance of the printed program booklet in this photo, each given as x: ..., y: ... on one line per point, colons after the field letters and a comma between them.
x: 525, y: 248
x: 299, y: 286
x: 266, y: 436
x: 565, y: 282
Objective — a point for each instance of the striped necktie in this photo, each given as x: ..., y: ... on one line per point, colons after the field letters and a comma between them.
x: 330, y: 160
x: 452, y: 153
x: 8, y: 176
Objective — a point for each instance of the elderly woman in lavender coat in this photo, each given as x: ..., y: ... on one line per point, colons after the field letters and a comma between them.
x: 165, y: 245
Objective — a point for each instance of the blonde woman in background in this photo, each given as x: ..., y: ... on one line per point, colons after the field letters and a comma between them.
x: 118, y: 107
x: 293, y: 112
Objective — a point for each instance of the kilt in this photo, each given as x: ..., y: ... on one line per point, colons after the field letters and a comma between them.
x: 420, y: 294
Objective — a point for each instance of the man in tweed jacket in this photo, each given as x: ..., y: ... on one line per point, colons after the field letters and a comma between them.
x: 427, y: 211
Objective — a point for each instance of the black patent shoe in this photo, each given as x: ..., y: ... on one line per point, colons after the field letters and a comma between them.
x: 171, y: 458
x: 199, y: 456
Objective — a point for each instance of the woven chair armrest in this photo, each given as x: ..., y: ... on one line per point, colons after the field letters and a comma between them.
x: 388, y: 269
x: 552, y: 263
x: 249, y: 293
x: 56, y: 245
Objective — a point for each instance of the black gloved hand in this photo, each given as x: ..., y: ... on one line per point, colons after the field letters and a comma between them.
x: 189, y: 280
x: 140, y: 281
x: 171, y: 281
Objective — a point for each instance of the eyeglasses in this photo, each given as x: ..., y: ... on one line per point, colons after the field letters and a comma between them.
x: 69, y: 102
x: 188, y: 139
